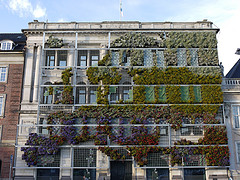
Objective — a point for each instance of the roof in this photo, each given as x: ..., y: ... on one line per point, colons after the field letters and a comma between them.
x: 234, y: 71
x: 19, y: 40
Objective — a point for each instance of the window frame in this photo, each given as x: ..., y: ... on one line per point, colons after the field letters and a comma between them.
x: 236, y: 148
x: 233, y: 115
x: 2, y: 112
x: 6, y: 74
x: 5, y: 44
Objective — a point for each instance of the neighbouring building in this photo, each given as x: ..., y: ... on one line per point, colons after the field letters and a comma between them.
x: 231, y: 94
x: 122, y: 100
x: 11, y: 73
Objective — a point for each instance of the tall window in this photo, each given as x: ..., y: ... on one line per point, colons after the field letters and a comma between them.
x: 94, y: 57
x: 236, y: 116
x: 3, y: 74
x: 47, y: 95
x: 2, y: 104
x: 114, y: 93
x: 43, y: 129
x: 92, y: 95
x: 62, y: 58
x: 53, y: 57
x: 82, y: 58
x: 238, y: 151
x: 81, y: 94
x: 50, y: 58
x: 126, y: 90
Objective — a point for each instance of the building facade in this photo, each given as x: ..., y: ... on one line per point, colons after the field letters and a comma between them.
x: 230, y: 87
x: 11, y: 74
x: 122, y: 100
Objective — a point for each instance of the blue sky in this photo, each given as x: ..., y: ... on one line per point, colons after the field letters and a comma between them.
x: 15, y: 15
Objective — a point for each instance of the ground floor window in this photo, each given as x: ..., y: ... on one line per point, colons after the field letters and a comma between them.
x: 194, y: 173
x: 160, y: 174
x: 121, y: 170
x: 48, y: 174
x: 80, y: 174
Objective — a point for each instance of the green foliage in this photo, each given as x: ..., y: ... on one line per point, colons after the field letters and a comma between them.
x: 139, y: 94
x: 54, y: 42
x: 212, y: 94
x: 134, y: 40
x: 173, y: 94
x: 102, y: 94
x: 181, y: 75
x: 105, y: 61
x: 67, y: 94
x: 107, y: 75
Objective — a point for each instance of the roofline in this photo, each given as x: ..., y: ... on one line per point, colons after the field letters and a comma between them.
x: 122, y: 30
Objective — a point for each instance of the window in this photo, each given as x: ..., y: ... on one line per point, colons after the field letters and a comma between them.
x: 50, y: 58
x: 3, y: 74
x: 113, y: 94
x: 47, y: 97
x: 43, y: 129
x: 53, y: 57
x: 238, y: 151
x: 62, y: 58
x: 94, y: 57
x: 236, y: 116
x: 81, y: 94
x: 126, y: 91
x: 2, y: 105
x: 6, y: 45
x: 92, y: 95
x: 82, y: 58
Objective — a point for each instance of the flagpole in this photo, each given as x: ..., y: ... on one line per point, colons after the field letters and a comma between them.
x: 120, y: 10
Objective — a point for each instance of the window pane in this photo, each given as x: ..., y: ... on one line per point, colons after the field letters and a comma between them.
x: 3, y: 46
x: 82, y: 99
x: 1, y: 105
x: 238, y: 151
x: 83, y: 63
x: 236, y: 120
x: 2, y: 74
x: 94, y: 63
x: 62, y: 58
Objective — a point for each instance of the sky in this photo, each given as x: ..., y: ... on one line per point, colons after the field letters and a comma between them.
x: 15, y: 15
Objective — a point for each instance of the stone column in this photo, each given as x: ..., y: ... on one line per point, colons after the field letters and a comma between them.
x: 28, y: 74
x: 71, y: 58
x: 37, y: 74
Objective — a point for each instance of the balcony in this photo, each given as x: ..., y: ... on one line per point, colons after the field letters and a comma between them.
x: 230, y: 84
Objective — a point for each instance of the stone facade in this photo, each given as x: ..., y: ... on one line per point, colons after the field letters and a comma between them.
x: 53, y: 47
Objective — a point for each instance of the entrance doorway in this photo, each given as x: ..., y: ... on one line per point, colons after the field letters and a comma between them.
x: 121, y: 170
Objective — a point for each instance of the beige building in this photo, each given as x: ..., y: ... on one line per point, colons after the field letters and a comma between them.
x: 231, y: 87
x: 125, y: 104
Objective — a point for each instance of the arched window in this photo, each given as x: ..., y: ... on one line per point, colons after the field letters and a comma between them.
x: 81, y: 94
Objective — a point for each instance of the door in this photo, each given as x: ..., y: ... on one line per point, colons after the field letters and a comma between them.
x: 121, y: 170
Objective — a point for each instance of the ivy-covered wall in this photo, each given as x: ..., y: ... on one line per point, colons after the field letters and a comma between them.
x: 179, y: 94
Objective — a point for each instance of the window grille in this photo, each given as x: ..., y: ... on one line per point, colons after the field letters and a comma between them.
x: 84, y: 157
x: 62, y: 58
x: 157, y: 159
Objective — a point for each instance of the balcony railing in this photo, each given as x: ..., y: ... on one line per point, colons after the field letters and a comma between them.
x: 231, y: 83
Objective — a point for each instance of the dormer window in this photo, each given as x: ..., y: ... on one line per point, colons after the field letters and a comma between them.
x: 6, y: 45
